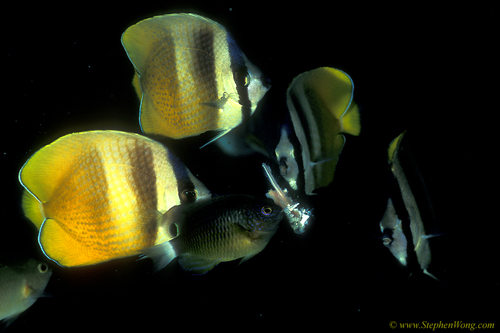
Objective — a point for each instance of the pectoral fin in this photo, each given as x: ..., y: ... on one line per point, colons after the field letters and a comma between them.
x: 220, y: 134
x: 161, y: 254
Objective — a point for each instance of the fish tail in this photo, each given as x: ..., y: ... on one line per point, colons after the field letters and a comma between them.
x: 33, y: 209
x: 351, y: 123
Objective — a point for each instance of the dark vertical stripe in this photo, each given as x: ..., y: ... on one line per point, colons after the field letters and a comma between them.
x: 181, y: 174
x: 240, y: 71
x: 204, y: 58
x: 144, y: 183
x: 401, y: 206
x: 144, y: 175
x: 204, y: 69
x: 299, y: 110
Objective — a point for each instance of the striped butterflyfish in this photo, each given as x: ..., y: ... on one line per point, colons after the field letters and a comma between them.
x: 191, y: 76
x: 321, y: 107
x: 99, y: 195
x: 400, y: 229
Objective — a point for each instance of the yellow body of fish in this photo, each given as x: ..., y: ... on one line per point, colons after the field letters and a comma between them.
x: 321, y: 108
x: 22, y: 282
x: 95, y: 195
x: 190, y: 75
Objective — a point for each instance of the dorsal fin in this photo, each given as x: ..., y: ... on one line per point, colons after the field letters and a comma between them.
x: 393, y: 146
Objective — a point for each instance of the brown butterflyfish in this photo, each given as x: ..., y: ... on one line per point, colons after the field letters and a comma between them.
x: 22, y: 282
x: 404, y: 232
x: 191, y: 76
x: 221, y: 229
x: 321, y: 107
x: 95, y: 196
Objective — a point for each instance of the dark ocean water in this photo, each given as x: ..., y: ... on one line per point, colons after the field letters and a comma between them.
x: 426, y: 70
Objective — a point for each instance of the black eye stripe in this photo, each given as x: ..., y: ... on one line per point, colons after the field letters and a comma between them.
x: 241, y: 78
x: 188, y: 195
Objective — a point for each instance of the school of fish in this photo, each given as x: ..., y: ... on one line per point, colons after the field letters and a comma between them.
x: 103, y: 195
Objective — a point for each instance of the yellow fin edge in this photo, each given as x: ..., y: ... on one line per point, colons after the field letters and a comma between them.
x: 393, y: 146
x: 351, y: 122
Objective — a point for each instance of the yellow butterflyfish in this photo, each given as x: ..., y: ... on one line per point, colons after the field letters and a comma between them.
x: 96, y: 196
x: 191, y: 76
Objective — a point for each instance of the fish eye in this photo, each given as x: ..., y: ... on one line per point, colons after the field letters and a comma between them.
x: 188, y: 195
x: 267, y: 210
x: 241, y: 77
x: 42, y: 268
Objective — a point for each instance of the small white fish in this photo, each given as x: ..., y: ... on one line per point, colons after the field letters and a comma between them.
x: 285, y: 154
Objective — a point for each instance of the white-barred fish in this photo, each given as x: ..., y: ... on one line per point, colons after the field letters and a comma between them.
x: 191, y: 76
x: 405, y: 233
x: 94, y: 195
x: 321, y: 107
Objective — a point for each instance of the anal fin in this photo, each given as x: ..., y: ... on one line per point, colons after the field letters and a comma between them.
x: 62, y: 248
x: 196, y: 265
